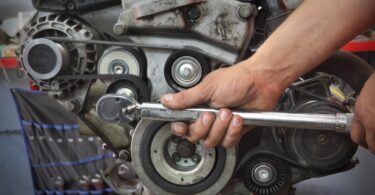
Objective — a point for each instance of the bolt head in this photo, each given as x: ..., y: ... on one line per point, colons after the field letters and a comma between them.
x: 71, y: 6
x: 194, y: 13
x: 196, y: 158
x: 263, y: 173
x: 118, y: 69
x: 244, y: 12
x: 124, y: 155
x: 119, y: 29
x: 176, y: 157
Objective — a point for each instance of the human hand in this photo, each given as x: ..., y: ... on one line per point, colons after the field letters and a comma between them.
x: 245, y: 85
x: 363, y: 128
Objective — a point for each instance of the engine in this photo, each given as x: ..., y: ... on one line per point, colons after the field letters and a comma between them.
x: 78, y: 51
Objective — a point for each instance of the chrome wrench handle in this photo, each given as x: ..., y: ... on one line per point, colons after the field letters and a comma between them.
x: 119, y: 108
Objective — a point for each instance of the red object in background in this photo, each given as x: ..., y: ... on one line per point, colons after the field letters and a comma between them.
x: 12, y: 63
x: 33, y: 87
x: 8, y: 62
x: 360, y: 46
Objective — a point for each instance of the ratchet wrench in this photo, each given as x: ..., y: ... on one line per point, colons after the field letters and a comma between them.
x: 123, y: 109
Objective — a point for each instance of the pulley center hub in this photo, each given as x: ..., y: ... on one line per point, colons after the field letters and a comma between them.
x: 189, y: 163
x: 126, y: 92
x: 118, y: 69
x: 186, y: 71
x: 185, y: 149
x: 263, y: 174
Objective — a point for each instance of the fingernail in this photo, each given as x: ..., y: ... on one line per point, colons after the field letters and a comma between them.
x: 168, y: 97
x: 224, y: 115
x: 175, y: 127
x: 206, y: 119
x: 237, y: 121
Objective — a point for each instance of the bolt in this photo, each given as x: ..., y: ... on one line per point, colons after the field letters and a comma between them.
x: 118, y: 69
x: 185, y: 148
x: 322, y: 138
x: 187, y: 71
x: 119, y: 29
x: 263, y: 173
x: 194, y: 13
x: 176, y: 157
x: 244, y: 12
x: 71, y: 6
x: 196, y: 158
x: 73, y: 105
x: 124, y: 155
x: 176, y: 139
x: 355, y: 161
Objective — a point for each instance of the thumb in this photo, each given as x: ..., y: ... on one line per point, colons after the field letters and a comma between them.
x: 185, y: 99
x: 358, y: 134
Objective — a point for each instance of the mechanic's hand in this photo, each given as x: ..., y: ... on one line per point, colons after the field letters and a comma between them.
x: 243, y: 85
x: 363, y: 129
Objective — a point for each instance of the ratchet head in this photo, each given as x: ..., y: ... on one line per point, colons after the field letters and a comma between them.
x: 117, y: 108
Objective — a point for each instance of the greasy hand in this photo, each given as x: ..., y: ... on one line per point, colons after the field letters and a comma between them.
x: 363, y: 128
x: 243, y: 85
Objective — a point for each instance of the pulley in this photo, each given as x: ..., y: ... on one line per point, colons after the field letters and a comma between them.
x: 44, y: 59
x: 167, y: 164
x: 130, y: 86
x: 265, y: 174
x: 321, y: 151
x: 122, y: 60
x: 185, y: 69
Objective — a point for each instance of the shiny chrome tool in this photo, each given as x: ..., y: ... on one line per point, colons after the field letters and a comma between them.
x: 122, y: 109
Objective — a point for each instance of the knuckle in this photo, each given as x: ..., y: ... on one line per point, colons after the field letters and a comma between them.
x: 182, y: 97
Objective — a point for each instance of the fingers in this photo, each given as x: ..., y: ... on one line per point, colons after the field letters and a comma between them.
x: 219, y: 128
x: 358, y: 133
x: 185, y: 99
x: 179, y: 128
x: 223, y: 129
x: 234, y: 132
x: 201, y: 127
